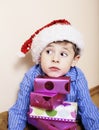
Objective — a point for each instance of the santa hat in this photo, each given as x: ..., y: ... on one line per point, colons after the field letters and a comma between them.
x: 57, y: 30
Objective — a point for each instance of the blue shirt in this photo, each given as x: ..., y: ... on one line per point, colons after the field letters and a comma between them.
x: 79, y: 92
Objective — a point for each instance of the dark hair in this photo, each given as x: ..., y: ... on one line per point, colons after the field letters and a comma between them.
x: 75, y: 48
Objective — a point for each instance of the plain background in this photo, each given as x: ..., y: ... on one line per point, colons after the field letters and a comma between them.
x: 20, y: 18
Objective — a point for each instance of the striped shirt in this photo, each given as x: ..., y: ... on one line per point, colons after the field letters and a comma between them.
x: 87, y: 112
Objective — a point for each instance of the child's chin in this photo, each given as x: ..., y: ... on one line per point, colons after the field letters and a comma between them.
x: 54, y: 75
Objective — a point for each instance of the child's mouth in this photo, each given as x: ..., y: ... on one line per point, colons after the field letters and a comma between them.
x: 54, y: 68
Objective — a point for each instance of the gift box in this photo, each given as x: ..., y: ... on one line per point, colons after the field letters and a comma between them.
x: 52, y: 125
x: 67, y: 111
x: 47, y: 101
x: 41, y: 124
x: 52, y: 85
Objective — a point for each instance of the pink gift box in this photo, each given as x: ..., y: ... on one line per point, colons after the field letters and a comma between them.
x: 52, y: 125
x: 52, y: 85
x: 47, y: 101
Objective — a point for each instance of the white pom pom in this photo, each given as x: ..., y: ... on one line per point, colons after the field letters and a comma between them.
x: 21, y: 55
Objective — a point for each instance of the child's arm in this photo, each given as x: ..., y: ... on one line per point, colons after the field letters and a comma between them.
x: 87, y: 110
x: 18, y: 113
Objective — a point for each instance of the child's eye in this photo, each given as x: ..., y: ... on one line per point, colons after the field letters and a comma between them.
x: 63, y: 54
x: 48, y: 51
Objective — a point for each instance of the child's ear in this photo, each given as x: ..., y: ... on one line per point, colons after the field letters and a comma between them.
x: 75, y: 60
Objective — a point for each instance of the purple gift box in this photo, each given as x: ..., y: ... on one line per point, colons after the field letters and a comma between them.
x: 47, y: 101
x: 52, y: 125
x: 52, y: 85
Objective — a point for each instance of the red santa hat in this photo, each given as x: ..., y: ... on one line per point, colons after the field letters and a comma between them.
x: 57, y: 30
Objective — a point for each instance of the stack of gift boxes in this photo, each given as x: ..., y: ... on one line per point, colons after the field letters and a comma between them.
x: 48, y: 109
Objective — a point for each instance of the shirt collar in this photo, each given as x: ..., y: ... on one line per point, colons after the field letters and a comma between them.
x: 72, y: 73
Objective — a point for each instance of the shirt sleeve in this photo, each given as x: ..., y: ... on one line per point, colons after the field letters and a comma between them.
x: 87, y: 110
x: 18, y: 113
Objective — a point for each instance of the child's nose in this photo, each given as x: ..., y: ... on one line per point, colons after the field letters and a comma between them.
x: 55, y: 59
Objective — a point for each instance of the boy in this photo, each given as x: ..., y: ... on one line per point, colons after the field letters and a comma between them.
x: 55, y: 48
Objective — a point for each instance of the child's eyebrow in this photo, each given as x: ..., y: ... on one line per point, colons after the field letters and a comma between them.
x: 50, y: 45
x: 67, y: 49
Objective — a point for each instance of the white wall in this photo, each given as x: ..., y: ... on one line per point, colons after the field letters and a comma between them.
x: 20, y: 18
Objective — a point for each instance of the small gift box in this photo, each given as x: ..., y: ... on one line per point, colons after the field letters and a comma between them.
x: 52, y: 85
x: 52, y: 125
x: 47, y: 101
x: 67, y: 111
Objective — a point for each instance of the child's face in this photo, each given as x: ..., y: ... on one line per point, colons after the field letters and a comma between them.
x: 57, y: 58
